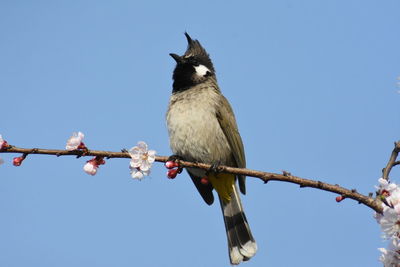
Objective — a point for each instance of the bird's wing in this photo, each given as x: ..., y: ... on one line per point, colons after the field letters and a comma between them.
x: 227, y: 121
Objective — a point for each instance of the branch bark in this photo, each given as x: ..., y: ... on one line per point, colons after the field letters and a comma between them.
x: 368, y: 201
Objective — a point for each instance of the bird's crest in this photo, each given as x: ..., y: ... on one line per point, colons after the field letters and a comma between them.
x: 195, y: 50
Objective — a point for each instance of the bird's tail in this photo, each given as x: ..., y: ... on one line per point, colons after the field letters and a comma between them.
x: 241, y: 243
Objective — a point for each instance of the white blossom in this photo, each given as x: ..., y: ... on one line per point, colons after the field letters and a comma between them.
x: 390, y: 257
x: 389, y: 221
x: 90, y: 168
x: 141, y: 160
x: 74, y: 141
x: 385, y: 185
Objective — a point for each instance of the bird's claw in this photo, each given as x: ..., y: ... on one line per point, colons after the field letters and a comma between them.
x: 215, y: 168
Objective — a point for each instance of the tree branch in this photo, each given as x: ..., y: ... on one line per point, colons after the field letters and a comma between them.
x: 392, y: 161
x: 264, y: 176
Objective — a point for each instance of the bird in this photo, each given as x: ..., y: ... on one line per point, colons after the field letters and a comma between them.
x: 202, y: 128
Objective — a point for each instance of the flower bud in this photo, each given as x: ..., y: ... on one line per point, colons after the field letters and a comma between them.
x: 171, y: 164
x: 339, y: 198
x: 17, y: 161
x: 172, y: 173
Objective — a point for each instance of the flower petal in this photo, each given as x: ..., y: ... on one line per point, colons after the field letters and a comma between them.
x: 142, y: 146
x: 74, y: 141
x: 145, y: 166
x: 135, y: 163
x: 80, y: 135
x: 151, y: 156
x: 135, y: 152
x: 90, y: 168
x: 136, y: 174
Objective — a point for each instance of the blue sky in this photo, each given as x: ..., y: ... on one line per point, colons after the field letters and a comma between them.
x: 314, y: 88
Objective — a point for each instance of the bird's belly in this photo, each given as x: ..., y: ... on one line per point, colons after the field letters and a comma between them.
x: 196, y: 135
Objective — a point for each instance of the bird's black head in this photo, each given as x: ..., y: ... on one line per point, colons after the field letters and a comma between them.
x: 193, y: 67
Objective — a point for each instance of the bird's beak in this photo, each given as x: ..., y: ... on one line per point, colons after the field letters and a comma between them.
x: 177, y: 58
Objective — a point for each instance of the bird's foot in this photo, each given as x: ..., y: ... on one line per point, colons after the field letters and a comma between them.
x: 215, y: 168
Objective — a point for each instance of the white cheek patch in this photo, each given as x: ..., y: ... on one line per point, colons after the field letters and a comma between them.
x: 201, y: 70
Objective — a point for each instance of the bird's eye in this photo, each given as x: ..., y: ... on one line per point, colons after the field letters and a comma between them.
x: 194, y: 62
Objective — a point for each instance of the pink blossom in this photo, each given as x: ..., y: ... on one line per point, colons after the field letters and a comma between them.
x: 3, y: 143
x: 75, y: 142
x: 92, y: 165
x: 90, y: 168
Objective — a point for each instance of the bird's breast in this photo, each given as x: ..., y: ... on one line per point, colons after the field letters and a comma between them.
x: 194, y: 130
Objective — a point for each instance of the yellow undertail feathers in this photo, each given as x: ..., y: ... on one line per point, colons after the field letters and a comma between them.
x: 223, y: 184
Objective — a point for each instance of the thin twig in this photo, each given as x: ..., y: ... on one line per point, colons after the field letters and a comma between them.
x: 392, y: 161
x: 264, y: 176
